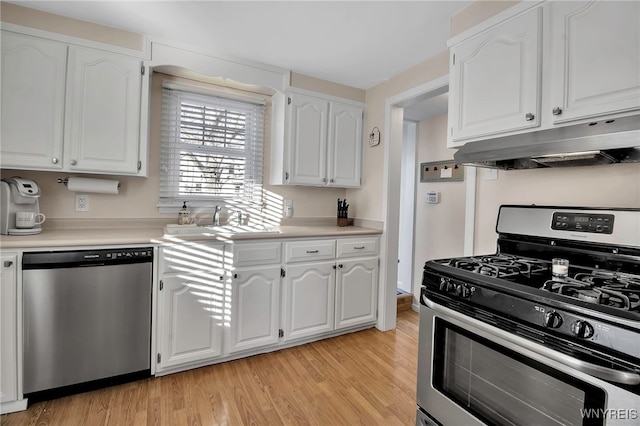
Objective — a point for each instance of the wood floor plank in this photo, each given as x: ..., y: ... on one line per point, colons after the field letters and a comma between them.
x: 368, y: 377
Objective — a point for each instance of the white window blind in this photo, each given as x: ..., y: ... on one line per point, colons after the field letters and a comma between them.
x: 211, y: 148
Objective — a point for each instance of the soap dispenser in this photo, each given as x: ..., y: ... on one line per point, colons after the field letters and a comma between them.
x: 184, y: 215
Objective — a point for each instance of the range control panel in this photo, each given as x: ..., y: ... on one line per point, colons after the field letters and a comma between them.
x: 583, y: 222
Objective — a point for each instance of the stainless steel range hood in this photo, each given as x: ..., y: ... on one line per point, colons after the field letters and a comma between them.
x: 601, y: 142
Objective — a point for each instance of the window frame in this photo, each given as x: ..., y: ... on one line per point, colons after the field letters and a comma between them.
x: 170, y: 199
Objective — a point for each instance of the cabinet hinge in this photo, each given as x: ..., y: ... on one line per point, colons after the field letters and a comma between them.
x: 142, y: 69
x: 454, y: 59
x: 288, y: 100
x: 159, y: 358
x: 282, y: 273
x: 161, y: 286
x: 281, y: 333
x: 286, y: 176
x: 139, y: 165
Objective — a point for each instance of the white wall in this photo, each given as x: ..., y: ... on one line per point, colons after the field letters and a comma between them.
x: 439, y: 229
x: 615, y: 185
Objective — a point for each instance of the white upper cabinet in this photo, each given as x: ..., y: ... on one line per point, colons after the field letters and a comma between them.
x: 71, y: 108
x: 495, y: 79
x: 33, y: 87
x: 345, y: 145
x: 102, y: 125
x: 322, y: 145
x: 307, y: 132
x: 536, y: 67
x: 595, y: 57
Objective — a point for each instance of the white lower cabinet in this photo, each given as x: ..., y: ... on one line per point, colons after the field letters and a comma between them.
x: 192, y: 320
x: 335, y: 287
x: 255, y: 307
x: 8, y: 329
x: 254, y: 294
x: 356, y: 292
x: 191, y: 309
x: 217, y: 301
x: 309, y: 290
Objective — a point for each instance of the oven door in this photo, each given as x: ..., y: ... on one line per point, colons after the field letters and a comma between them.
x: 470, y: 372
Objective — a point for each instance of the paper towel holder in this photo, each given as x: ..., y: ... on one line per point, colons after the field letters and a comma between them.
x: 65, y: 181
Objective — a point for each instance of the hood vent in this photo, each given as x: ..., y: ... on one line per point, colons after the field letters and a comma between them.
x: 606, y: 142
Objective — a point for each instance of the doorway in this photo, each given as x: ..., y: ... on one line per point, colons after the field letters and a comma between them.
x: 407, y: 207
x: 396, y: 107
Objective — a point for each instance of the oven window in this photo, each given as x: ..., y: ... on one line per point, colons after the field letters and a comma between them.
x: 502, y: 387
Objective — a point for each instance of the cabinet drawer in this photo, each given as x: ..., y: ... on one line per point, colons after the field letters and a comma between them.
x: 355, y: 247
x: 304, y: 251
x: 251, y: 254
x: 191, y: 257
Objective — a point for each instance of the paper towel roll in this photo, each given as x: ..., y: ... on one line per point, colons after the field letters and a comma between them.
x: 101, y: 186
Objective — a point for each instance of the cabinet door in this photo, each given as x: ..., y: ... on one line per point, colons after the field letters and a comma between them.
x: 307, y: 134
x: 309, y: 299
x: 356, y: 292
x: 255, y: 307
x: 595, y: 55
x: 345, y: 145
x: 33, y: 90
x: 495, y: 80
x: 8, y: 328
x: 191, y: 312
x: 102, y: 123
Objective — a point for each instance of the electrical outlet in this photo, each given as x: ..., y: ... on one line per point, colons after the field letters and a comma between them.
x: 288, y: 208
x: 82, y: 203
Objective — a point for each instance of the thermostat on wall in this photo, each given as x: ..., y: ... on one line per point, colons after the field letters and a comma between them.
x: 433, y: 197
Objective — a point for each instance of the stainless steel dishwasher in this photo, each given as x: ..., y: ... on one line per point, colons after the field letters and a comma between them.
x: 87, y: 318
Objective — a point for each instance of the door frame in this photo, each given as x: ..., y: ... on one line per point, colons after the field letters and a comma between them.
x: 393, y: 119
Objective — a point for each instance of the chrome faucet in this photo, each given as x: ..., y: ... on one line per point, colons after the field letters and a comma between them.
x: 216, y: 215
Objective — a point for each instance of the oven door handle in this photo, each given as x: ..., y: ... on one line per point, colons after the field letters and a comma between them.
x: 595, y: 370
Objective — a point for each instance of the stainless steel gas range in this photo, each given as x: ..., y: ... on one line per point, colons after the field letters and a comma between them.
x: 517, y: 338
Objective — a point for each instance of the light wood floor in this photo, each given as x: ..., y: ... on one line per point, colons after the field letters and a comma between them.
x: 368, y: 377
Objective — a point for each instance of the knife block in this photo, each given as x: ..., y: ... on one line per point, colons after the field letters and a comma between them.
x: 343, y: 221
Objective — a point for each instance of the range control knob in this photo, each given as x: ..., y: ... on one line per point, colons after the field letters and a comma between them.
x: 463, y: 291
x: 446, y: 285
x: 552, y: 320
x: 582, y: 329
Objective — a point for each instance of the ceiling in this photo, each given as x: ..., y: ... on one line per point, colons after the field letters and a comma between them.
x: 359, y: 44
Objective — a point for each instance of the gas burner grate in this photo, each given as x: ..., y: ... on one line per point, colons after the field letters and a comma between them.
x: 500, y: 265
x: 601, y: 288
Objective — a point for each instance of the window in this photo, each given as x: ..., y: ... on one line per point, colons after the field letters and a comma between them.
x: 211, y: 148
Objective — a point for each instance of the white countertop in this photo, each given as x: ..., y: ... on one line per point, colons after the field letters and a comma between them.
x: 86, y: 235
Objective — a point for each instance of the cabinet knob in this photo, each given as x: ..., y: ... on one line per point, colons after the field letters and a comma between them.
x: 235, y: 275
x: 54, y: 160
x: 340, y: 265
x: 556, y: 111
x: 74, y: 162
x: 8, y: 264
x: 331, y: 180
x: 324, y: 180
x: 529, y: 117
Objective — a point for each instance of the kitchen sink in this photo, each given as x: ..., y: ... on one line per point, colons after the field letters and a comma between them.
x: 223, y: 230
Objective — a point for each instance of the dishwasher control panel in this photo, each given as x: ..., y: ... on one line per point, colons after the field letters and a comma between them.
x: 123, y: 254
x: 71, y: 258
